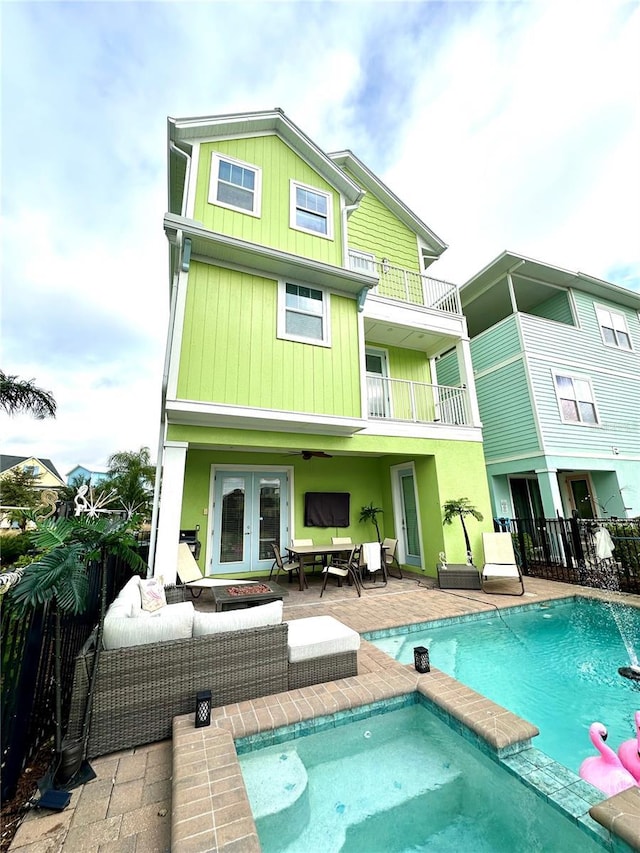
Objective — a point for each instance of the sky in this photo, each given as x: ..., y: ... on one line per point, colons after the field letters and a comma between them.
x: 502, y: 125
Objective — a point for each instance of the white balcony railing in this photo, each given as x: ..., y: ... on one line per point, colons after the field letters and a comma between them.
x: 407, y: 285
x: 403, y: 400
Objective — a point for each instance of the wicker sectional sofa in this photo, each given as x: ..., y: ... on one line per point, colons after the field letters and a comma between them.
x: 138, y: 690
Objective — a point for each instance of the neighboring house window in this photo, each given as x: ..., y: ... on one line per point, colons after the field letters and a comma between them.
x: 303, y: 314
x: 32, y: 470
x: 311, y: 210
x: 613, y: 328
x: 235, y: 184
x: 576, y: 400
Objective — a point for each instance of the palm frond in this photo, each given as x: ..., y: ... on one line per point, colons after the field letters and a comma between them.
x: 51, y: 577
x: 20, y: 395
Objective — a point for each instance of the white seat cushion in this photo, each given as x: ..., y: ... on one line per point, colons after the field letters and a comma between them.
x: 318, y: 636
x: 499, y: 570
x: 173, y: 622
x: 237, y: 620
x: 129, y: 598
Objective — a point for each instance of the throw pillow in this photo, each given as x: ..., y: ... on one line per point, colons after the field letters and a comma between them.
x: 152, y: 594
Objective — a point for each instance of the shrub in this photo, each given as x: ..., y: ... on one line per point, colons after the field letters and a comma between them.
x: 13, y: 546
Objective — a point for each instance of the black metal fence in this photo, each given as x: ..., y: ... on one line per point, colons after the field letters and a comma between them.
x: 27, y: 706
x: 597, y: 552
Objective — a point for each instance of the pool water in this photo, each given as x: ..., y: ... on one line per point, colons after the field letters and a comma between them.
x: 400, y: 781
x: 556, y: 667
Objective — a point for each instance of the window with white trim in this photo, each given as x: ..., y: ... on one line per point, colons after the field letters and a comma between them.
x: 362, y: 261
x: 303, y: 314
x: 613, y: 328
x: 575, y: 399
x: 311, y: 210
x: 235, y: 184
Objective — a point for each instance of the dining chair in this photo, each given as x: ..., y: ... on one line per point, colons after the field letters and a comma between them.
x: 289, y: 568
x: 345, y: 568
x: 390, y: 547
x: 371, y: 563
x: 318, y: 560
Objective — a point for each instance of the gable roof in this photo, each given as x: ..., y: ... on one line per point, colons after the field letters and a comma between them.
x: 8, y: 462
x: 184, y: 131
x: 485, y: 297
x: 348, y: 160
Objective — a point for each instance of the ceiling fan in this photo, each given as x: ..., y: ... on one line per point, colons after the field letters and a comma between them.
x: 308, y: 454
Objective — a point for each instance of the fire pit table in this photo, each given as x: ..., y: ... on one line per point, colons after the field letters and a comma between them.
x: 246, y: 595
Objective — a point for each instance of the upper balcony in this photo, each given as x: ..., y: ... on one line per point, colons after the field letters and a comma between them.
x: 407, y: 286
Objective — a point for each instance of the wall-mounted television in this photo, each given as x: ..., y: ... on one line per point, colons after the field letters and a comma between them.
x: 326, y: 509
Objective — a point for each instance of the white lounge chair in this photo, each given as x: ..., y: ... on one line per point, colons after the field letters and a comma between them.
x: 191, y: 577
x: 500, y: 562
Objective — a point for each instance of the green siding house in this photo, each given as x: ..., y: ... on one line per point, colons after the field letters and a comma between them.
x: 556, y: 359
x: 301, y: 354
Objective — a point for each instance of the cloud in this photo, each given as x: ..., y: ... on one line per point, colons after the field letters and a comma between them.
x: 502, y: 125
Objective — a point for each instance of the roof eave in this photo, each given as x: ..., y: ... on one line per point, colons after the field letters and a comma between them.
x: 224, y: 249
x: 347, y: 159
x: 508, y: 261
x: 268, y: 121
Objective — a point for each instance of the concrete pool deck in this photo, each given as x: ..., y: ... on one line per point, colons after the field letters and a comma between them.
x: 186, y: 795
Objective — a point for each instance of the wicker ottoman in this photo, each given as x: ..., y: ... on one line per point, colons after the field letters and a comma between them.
x: 321, y: 649
x: 458, y: 576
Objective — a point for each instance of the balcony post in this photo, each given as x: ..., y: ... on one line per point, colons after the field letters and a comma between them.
x: 412, y: 402
x: 465, y: 367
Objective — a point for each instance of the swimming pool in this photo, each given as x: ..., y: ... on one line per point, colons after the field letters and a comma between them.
x: 556, y: 666
x: 399, y: 781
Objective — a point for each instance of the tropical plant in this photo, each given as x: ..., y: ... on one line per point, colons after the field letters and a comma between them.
x: 132, y: 476
x: 59, y: 577
x: 19, y: 395
x: 18, y: 493
x: 370, y: 513
x: 461, y: 508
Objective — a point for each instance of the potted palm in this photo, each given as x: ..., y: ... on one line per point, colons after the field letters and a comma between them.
x: 59, y: 578
x: 370, y: 513
x: 461, y: 508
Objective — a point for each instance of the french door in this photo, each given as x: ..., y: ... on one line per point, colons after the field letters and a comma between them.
x: 409, y: 517
x: 249, y: 516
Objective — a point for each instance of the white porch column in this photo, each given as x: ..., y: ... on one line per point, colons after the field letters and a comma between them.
x: 170, y: 511
x: 465, y: 367
x: 550, y: 492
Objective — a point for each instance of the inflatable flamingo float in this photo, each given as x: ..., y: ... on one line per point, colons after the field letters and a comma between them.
x: 605, y: 771
x: 629, y: 752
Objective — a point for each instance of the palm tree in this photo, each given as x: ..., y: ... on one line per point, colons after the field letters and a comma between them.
x: 59, y: 577
x: 19, y: 395
x: 132, y: 476
x: 370, y: 513
x: 459, y: 508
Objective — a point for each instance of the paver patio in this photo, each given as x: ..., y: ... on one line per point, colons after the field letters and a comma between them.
x: 130, y: 806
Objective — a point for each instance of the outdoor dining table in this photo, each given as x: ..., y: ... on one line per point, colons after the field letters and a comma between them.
x: 299, y: 552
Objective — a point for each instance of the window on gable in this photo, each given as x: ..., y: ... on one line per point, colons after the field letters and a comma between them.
x: 311, y: 210
x: 235, y: 184
x: 576, y: 400
x: 303, y: 314
x: 613, y: 328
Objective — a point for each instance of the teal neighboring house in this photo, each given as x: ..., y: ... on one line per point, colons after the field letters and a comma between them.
x: 93, y: 475
x: 556, y: 360
x: 300, y: 381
